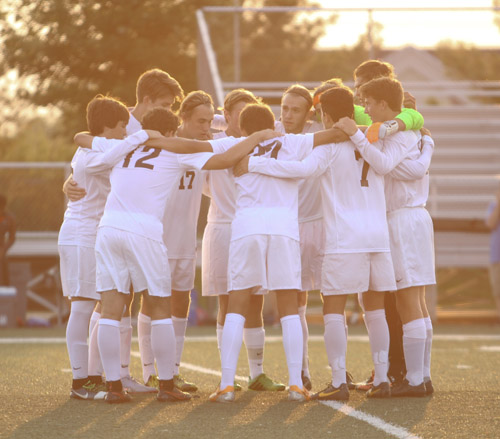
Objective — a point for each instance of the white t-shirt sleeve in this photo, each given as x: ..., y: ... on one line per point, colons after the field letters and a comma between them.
x: 222, y: 145
x: 99, y: 161
x: 313, y: 165
x: 417, y: 168
x: 194, y: 161
x: 382, y: 162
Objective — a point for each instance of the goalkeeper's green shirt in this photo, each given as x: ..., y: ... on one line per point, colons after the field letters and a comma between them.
x: 411, y: 118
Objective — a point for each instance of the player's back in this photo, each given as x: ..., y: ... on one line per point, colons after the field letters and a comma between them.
x: 140, y: 187
x: 353, y: 202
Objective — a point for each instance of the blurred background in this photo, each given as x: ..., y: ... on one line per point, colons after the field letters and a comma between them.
x: 56, y: 55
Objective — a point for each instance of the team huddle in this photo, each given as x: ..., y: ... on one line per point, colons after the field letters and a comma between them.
x: 331, y: 197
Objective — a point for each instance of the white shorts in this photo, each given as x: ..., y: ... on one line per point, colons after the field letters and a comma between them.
x: 182, y: 272
x: 350, y: 273
x: 78, y: 271
x: 125, y: 258
x: 412, y: 247
x: 214, y: 258
x: 312, y: 246
x: 270, y: 262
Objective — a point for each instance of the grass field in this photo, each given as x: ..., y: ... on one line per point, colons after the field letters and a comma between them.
x: 35, y: 383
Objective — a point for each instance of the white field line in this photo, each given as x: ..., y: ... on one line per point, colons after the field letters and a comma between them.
x: 269, y: 339
x: 378, y: 423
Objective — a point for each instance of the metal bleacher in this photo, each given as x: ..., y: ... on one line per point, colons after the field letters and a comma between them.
x: 465, y: 169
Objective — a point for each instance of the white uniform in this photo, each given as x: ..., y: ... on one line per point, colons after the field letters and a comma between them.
x: 129, y: 245
x: 221, y: 188
x: 91, y: 168
x: 410, y: 225
x: 311, y: 228
x: 357, y: 254
x: 265, y: 250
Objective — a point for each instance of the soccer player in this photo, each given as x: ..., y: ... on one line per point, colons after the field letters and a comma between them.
x: 106, y: 118
x: 220, y: 187
x: 197, y: 112
x: 410, y: 227
x: 357, y: 256
x: 130, y: 248
x: 265, y: 250
x: 155, y: 88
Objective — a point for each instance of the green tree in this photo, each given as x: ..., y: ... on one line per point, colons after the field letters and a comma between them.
x: 73, y: 49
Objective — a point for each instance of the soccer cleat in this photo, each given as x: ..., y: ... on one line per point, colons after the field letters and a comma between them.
x: 89, y: 391
x: 174, y: 395
x: 265, y: 384
x: 115, y: 397
x: 331, y: 393
x: 184, y: 385
x: 429, y: 388
x: 365, y: 385
x: 295, y: 393
x: 383, y: 390
x: 306, y: 381
x: 224, y: 396
x: 131, y: 385
x: 404, y: 389
x: 350, y: 384
x: 153, y: 381
x: 237, y: 387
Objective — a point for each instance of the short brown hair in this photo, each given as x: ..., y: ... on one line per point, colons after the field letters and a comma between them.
x: 384, y: 89
x: 192, y: 100
x: 337, y: 102
x: 105, y: 112
x: 301, y: 91
x: 239, y: 95
x: 156, y: 83
x: 374, y: 68
x: 325, y: 85
x: 256, y: 117
x: 160, y: 119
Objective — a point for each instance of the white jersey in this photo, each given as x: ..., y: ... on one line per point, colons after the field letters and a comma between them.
x: 91, y: 168
x: 407, y: 185
x: 309, y: 194
x: 352, y: 196
x: 141, y: 186
x: 133, y: 124
x: 266, y: 205
x: 221, y: 188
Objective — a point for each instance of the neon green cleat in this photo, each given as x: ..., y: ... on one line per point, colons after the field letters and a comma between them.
x: 184, y: 385
x: 263, y: 383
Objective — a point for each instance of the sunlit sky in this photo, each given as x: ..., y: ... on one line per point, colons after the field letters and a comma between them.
x: 420, y: 29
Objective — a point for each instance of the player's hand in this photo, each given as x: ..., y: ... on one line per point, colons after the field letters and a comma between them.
x: 73, y: 191
x: 409, y: 101
x: 425, y: 132
x: 241, y: 167
x: 267, y: 134
x: 347, y: 125
x: 372, y: 133
x: 153, y: 134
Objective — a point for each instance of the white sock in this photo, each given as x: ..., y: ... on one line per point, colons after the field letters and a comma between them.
x: 378, y: 333
x: 76, y: 337
x: 125, y: 345
x: 180, y: 335
x: 414, y: 335
x: 292, y: 335
x: 109, y: 346
x: 428, y: 347
x: 218, y: 332
x: 336, y: 346
x: 232, y: 337
x: 305, y: 338
x: 95, y: 363
x: 163, y: 344
x: 144, y: 335
x: 254, y: 339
